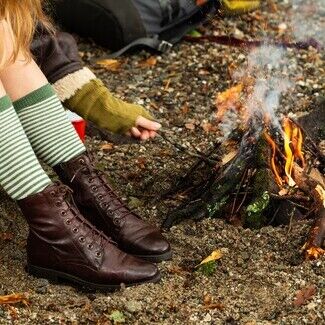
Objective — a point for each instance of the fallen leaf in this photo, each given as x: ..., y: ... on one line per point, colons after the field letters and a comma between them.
x: 214, y: 256
x: 208, y: 127
x: 185, y: 109
x: 148, y: 63
x: 229, y: 99
x: 110, y: 64
x: 6, y: 236
x: 14, y: 299
x: 207, y: 299
x: 107, y: 146
x: 303, y: 295
x: 214, y: 306
x: 190, y: 126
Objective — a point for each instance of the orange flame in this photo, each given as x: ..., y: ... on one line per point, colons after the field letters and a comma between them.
x: 288, y: 132
x: 293, y: 143
x: 273, y: 165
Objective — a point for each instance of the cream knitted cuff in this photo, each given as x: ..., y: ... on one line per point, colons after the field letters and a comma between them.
x: 67, y: 87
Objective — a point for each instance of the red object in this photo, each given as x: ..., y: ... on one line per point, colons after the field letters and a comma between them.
x: 79, y: 124
x: 80, y: 127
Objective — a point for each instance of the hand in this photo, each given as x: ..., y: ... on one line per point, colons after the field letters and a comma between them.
x: 144, y: 129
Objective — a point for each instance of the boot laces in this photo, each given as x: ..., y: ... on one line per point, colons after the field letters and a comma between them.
x: 65, y: 193
x: 121, y: 210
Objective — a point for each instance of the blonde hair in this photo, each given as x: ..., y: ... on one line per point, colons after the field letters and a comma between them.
x: 22, y: 16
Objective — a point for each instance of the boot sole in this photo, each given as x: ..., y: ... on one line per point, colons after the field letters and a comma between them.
x: 57, y: 276
x: 156, y: 258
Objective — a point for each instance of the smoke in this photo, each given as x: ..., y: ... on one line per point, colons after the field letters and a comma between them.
x: 268, y: 69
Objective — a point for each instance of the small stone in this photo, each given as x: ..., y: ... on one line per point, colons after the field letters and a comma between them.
x: 311, y: 306
x: 207, y: 318
x: 133, y: 306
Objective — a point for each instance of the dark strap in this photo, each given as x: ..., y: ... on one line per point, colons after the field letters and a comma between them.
x: 170, y: 10
x: 152, y: 42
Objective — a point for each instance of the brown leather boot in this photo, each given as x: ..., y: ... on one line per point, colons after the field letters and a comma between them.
x: 62, y: 244
x: 99, y: 203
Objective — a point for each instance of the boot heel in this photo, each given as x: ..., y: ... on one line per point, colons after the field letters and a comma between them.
x: 42, y: 273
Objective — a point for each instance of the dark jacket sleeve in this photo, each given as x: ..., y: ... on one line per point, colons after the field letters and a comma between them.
x: 57, y: 55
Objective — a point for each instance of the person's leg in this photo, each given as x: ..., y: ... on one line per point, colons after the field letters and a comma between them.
x: 21, y: 174
x: 42, y: 116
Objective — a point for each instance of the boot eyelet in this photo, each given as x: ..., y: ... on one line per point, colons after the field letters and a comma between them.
x: 63, y: 213
x: 90, y: 180
x: 116, y: 221
x: 52, y: 193
x: 82, y: 240
x: 75, y: 230
x: 100, y: 197
x: 94, y: 188
x: 105, y: 205
x: 58, y: 203
x: 90, y: 246
x: 82, y: 161
x: 68, y: 222
x: 98, y: 254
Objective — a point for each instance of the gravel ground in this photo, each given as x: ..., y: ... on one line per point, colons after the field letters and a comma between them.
x: 261, y: 271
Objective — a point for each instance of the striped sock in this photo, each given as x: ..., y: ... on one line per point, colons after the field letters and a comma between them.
x: 21, y: 174
x: 49, y: 131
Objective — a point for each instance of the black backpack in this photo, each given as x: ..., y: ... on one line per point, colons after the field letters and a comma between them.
x: 124, y: 24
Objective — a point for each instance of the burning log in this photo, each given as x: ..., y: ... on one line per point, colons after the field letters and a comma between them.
x: 266, y: 183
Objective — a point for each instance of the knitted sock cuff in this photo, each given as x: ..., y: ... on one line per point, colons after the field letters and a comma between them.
x: 5, y: 103
x: 34, y: 97
x: 70, y: 84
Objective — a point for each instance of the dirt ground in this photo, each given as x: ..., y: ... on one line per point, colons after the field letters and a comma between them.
x: 261, y: 271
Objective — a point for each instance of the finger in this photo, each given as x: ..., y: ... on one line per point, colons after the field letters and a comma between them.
x: 145, y: 135
x: 152, y: 134
x: 147, y: 124
x: 135, y: 132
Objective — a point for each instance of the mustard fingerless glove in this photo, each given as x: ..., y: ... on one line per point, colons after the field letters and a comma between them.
x: 239, y: 6
x: 95, y: 103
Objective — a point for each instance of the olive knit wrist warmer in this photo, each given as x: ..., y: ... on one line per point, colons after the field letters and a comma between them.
x: 95, y: 103
x: 49, y: 131
x: 21, y: 174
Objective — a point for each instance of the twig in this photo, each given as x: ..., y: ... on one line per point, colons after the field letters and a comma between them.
x: 199, y: 154
x: 232, y: 41
x: 238, y: 190
x: 290, y: 197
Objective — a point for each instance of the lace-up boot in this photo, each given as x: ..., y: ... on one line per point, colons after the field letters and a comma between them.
x: 99, y: 203
x: 62, y: 244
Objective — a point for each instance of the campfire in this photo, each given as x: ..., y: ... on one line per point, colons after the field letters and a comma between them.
x: 266, y: 173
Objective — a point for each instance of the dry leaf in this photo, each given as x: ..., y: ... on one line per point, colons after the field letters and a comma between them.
x: 110, y: 64
x: 210, y: 305
x: 214, y: 256
x: 148, y: 63
x: 208, y: 127
x: 214, y: 306
x: 228, y: 99
x: 14, y: 299
x: 107, y: 146
x: 6, y: 236
x: 190, y: 126
x: 207, y: 299
x: 303, y: 295
x: 185, y: 109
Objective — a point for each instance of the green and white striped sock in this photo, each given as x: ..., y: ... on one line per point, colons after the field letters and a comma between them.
x: 21, y: 174
x: 48, y: 129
